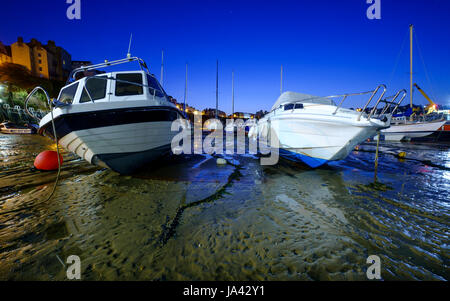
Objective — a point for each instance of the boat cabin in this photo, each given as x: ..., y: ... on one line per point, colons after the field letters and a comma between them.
x: 113, y: 86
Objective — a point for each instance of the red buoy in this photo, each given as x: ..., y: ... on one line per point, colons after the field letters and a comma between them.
x: 47, y: 160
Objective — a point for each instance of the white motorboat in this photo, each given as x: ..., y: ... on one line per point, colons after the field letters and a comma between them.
x: 314, y: 130
x: 119, y: 120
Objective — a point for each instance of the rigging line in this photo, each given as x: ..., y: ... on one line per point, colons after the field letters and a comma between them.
x: 398, y: 56
x: 425, y: 67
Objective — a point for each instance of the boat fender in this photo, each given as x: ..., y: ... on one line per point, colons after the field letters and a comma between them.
x: 47, y: 160
x: 401, y: 155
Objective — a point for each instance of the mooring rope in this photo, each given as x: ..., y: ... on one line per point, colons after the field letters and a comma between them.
x: 59, y: 159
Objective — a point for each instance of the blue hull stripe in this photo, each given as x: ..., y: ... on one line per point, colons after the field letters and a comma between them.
x: 310, y: 161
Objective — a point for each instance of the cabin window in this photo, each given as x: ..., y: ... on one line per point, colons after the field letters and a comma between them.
x: 289, y: 107
x: 96, y: 88
x: 298, y: 106
x: 153, y: 87
x: 126, y: 89
x: 68, y: 94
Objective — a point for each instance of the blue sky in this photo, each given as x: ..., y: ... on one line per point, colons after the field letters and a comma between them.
x: 326, y: 47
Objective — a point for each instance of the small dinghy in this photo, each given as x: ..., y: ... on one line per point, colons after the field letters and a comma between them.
x: 14, y: 129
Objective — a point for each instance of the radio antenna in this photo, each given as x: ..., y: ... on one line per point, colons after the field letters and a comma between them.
x: 129, y: 46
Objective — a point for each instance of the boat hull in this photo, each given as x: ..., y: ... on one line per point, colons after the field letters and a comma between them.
x: 317, y: 139
x: 316, y: 143
x: 124, y: 141
x: 413, y: 130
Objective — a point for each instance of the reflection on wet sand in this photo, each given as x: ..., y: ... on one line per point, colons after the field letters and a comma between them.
x: 188, y: 218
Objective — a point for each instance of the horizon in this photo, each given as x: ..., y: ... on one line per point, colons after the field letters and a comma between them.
x: 325, y: 48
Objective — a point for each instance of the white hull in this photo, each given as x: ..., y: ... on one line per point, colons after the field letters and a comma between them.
x: 411, y: 130
x: 118, y: 139
x: 328, y: 141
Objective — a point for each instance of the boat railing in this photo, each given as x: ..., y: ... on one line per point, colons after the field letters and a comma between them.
x: 142, y: 65
x: 388, y: 103
x: 370, y: 100
x: 373, y: 93
x: 392, y: 101
x: 414, y: 118
x: 29, y: 112
x: 347, y: 95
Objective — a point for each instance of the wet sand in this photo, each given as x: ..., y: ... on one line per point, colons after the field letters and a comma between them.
x: 188, y: 218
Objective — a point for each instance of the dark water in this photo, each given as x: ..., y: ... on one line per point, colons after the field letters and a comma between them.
x: 187, y: 218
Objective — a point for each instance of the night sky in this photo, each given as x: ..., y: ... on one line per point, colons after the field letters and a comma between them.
x: 325, y: 47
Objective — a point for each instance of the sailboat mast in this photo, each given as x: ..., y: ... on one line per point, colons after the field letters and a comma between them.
x: 281, y: 80
x: 217, y: 87
x: 162, y: 67
x: 232, y: 94
x: 411, y: 65
x: 185, y: 87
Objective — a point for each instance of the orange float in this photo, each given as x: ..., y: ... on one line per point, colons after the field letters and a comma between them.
x: 47, y: 160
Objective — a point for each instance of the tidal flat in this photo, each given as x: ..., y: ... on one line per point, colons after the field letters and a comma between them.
x: 187, y: 218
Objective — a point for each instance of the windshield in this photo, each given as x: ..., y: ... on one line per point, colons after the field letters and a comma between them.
x: 67, y: 94
x: 96, y: 88
x: 154, y: 87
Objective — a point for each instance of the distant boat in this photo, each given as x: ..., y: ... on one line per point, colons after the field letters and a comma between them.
x: 409, y: 126
x: 11, y: 128
x: 119, y: 120
x: 314, y: 130
x: 442, y: 134
x: 402, y: 128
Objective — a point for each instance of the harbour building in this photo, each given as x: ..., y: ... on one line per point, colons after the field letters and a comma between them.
x: 46, y: 61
